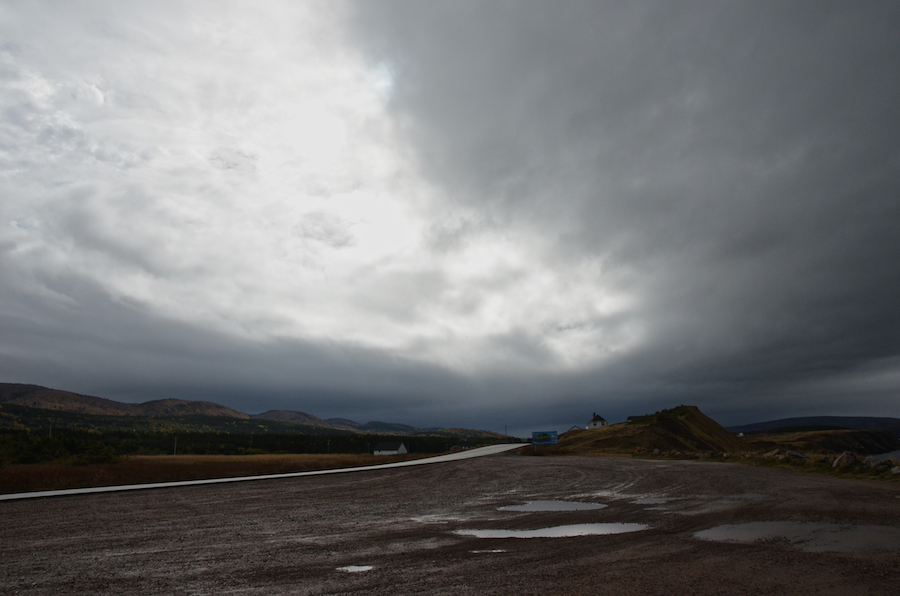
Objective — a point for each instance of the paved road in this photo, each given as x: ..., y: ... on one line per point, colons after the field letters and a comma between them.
x: 468, y: 454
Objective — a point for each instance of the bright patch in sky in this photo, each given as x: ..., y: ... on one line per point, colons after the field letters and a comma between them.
x: 244, y: 173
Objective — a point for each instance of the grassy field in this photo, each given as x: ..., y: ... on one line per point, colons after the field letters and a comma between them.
x: 141, y: 469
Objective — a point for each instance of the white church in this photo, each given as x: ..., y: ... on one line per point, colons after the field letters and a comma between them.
x: 596, y: 422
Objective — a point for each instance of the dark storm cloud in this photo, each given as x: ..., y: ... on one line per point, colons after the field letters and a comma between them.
x: 739, y: 161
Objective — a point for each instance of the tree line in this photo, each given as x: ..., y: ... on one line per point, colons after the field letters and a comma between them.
x: 78, y: 446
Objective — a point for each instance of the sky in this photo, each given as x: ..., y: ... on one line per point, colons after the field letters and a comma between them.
x: 495, y: 215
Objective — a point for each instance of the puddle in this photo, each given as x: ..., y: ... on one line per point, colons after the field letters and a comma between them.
x: 653, y: 500
x: 811, y: 537
x: 438, y: 519
x: 553, y: 506
x: 557, y: 531
x: 490, y: 551
x: 355, y: 568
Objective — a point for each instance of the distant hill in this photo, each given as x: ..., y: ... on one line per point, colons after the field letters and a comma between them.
x: 389, y: 428
x: 35, y: 406
x: 292, y: 417
x: 892, y: 425
x: 684, y: 429
x: 35, y: 396
x: 178, y: 407
x: 863, y: 442
x: 342, y: 422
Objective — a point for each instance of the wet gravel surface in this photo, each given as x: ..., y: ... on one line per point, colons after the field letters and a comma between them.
x: 293, y: 536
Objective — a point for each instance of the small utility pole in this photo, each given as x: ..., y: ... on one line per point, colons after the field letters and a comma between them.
x: 51, y: 428
x: 175, y: 451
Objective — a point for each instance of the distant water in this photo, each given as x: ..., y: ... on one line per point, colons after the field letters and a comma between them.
x: 884, y: 456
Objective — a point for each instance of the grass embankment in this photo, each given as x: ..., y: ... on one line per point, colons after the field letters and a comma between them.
x: 141, y: 469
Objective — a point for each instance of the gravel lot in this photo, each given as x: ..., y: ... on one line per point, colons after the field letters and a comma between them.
x: 292, y: 536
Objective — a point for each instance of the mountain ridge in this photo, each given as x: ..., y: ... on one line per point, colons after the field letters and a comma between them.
x: 892, y: 425
x: 44, y: 398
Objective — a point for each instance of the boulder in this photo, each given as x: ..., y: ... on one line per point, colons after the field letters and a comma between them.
x: 846, y: 460
x: 796, y: 456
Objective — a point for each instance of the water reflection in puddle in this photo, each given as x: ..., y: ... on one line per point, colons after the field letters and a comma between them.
x: 553, y: 506
x: 355, y: 568
x: 653, y: 500
x: 810, y: 537
x: 438, y: 519
x: 557, y: 531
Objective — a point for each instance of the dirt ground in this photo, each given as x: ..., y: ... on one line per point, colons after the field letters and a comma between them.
x: 293, y: 536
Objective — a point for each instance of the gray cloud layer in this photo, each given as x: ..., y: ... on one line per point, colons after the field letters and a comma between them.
x: 704, y: 194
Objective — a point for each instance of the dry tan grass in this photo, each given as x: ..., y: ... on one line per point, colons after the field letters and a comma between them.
x: 167, y: 468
